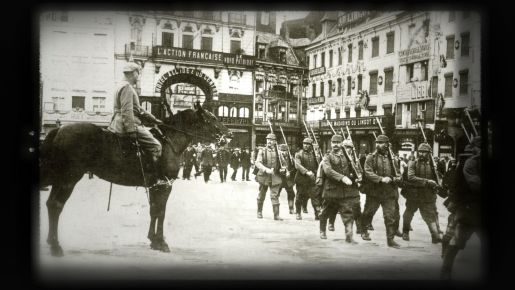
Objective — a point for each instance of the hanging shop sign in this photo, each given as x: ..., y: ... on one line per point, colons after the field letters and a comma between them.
x: 222, y: 58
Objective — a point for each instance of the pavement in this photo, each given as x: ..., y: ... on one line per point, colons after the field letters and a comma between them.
x: 213, y: 233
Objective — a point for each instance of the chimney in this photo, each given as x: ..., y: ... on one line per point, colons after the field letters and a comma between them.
x: 286, y: 31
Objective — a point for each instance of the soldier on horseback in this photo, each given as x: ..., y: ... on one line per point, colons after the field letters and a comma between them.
x: 128, y: 116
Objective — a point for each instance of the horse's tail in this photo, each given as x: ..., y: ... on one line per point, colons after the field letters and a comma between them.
x: 47, y: 158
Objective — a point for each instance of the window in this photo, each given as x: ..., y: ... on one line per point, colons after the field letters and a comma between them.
x: 452, y: 15
x: 388, y: 80
x: 358, y: 112
x: 314, y: 90
x: 349, y: 86
x: 244, y: 112
x: 99, y: 104
x: 339, y: 56
x: 434, y: 87
x: 331, y: 58
x: 259, y: 85
x: 307, y: 61
x: 136, y: 33
x: 464, y: 79
x: 321, y: 89
x: 373, y: 83
x: 360, y: 50
x: 167, y: 39
x: 350, y: 53
x: 187, y: 41
x: 347, y: 113
x: 223, y: 111
x: 58, y: 103
x: 236, y: 18
x: 233, y: 112
x: 261, y: 51
x: 339, y: 87
x: 422, y: 106
x: 282, y: 56
x: 465, y: 41
x: 450, y: 47
x: 147, y: 106
x: 206, y: 43
x: 265, y: 18
x: 372, y: 112
x: 375, y: 46
x: 258, y: 112
x: 410, y: 69
x: 390, y: 40
x: 330, y: 87
x: 315, y: 61
x: 387, y: 110
x: 360, y: 81
x: 235, y: 46
x: 448, y: 85
x: 337, y: 111
x: 322, y: 58
x: 423, y: 71
x: 78, y: 102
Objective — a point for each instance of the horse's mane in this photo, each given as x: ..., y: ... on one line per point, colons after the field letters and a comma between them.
x: 181, y: 119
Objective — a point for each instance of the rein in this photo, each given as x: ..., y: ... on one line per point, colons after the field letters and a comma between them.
x: 185, y: 132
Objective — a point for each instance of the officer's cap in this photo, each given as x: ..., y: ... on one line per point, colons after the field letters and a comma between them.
x: 382, y: 139
x: 337, y: 138
x: 271, y: 136
x: 131, y: 66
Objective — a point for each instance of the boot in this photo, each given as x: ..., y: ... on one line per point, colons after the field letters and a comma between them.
x: 390, y: 234
x: 448, y: 261
x: 323, y: 224
x: 348, y: 233
x: 392, y: 243
x: 405, y: 235
x: 445, y: 245
x: 290, y: 205
x: 298, y: 216
x: 405, y: 230
x: 331, y: 226
x: 317, y: 215
x: 332, y: 218
x: 370, y: 227
x: 396, y: 227
x: 305, y: 206
x: 435, y: 235
x: 260, y: 210
x: 276, y: 212
x: 365, y: 236
x: 358, y: 225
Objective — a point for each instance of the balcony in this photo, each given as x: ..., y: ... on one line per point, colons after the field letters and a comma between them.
x: 138, y: 50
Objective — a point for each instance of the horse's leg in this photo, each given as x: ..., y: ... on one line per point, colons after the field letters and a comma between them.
x: 55, y: 203
x: 158, y: 199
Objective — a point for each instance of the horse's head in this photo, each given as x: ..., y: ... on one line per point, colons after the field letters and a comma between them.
x: 201, y: 124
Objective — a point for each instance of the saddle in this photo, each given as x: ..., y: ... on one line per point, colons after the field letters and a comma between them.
x: 129, y: 148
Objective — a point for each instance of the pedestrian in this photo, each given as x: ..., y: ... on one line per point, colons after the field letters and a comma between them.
x: 306, y: 165
x: 340, y: 193
x: 207, y: 161
x: 235, y: 163
x: 223, y: 160
x: 382, y: 191
x: 128, y: 116
x: 468, y: 206
x: 189, y: 158
x: 245, y: 164
x: 422, y: 194
x: 449, y: 186
x: 287, y: 175
x: 268, y: 176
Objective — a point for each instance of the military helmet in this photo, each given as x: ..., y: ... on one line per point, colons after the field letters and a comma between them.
x: 347, y: 143
x: 283, y: 147
x: 307, y: 141
x: 382, y: 139
x: 424, y: 147
x: 337, y: 138
x: 271, y: 136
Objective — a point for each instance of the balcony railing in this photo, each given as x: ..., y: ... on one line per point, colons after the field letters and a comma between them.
x: 138, y: 50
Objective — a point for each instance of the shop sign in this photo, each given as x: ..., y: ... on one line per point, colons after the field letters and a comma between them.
x: 412, y: 92
x: 317, y: 71
x: 357, y: 122
x: 414, y: 54
x: 315, y: 100
x: 234, y: 120
x: 214, y: 57
x: 354, y: 17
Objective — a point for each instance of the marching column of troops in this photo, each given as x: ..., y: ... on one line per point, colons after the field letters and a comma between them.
x: 334, y: 182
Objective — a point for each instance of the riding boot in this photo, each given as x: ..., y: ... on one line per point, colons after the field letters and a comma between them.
x: 323, y: 225
x: 348, y: 233
x: 290, y: 205
x: 276, y: 212
x: 448, y: 261
x: 260, y: 210
x: 435, y: 235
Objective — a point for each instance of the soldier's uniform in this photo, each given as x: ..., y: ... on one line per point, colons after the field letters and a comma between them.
x: 421, y: 195
x: 268, y: 177
x: 189, y: 158
x: 207, y: 162
x: 287, y: 175
x: 468, y: 207
x: 378, y: 166
x: 223, y: 160
x: 305, y: 161
x: 338, y: 196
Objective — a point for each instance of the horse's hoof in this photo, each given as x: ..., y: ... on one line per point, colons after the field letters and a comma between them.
x: 56, y: 251
x: 165, y: 248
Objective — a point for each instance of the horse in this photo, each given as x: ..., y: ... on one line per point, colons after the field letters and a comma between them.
x: 70, y: 151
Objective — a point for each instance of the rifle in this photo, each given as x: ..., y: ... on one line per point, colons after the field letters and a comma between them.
x: 432, y: 162
x: 375, y: 136
x: 289, y: 152
x: 318, y: 146
x: 357, y: 175
x: 276, y: 145
x: 465, y: 131
x: 334, y: 132
x: 353, y: 150
x: 390, y: 153
x: 317, y: 158
x: 471, y: 123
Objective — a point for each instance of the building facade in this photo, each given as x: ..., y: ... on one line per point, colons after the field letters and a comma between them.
x: 76, y: 68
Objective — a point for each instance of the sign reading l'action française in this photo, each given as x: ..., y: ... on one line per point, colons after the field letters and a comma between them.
x: 204, y: 56
x: 414, y: 54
